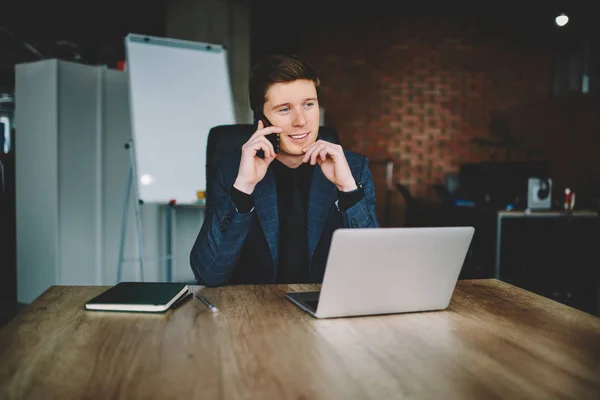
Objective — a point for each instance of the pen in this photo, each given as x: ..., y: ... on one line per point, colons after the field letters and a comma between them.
x: 210, y: 305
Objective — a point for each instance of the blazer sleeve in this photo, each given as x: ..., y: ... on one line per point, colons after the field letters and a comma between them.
x: 224, y: 230
x: 362, y: 214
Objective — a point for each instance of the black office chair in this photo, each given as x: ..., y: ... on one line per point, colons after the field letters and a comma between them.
x: 444, y: 195
x: 416, y: 211
x: 421, y: 212
x: 223, y: 139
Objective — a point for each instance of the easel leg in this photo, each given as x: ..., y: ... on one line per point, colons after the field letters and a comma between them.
x: 138, y: 214
x: 169, y: 244
x: 124, y: 226
x: 131, y: 181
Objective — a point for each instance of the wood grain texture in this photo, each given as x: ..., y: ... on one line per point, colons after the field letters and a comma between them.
x: 494, y: 341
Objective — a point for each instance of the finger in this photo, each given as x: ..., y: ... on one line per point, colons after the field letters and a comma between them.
x: 270, y: 159
x: 308, y: 151
x: 323, y: 153
x: 312, y: 146
x: 271, y: 147
x: 265, y: 131
x: 263, y: 143
x: 315, y: 153
x: 337, y: 154
x: 254, y: 146
x: 335, y: 150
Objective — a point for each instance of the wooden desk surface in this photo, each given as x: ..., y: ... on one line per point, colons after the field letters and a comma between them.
x: 494, y: 341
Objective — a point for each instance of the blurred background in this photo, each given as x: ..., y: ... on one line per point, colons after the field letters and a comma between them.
x: 457, y: 104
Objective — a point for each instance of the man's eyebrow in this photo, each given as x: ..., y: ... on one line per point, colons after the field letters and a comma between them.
x: 287, y: 104
x: 280, y: 105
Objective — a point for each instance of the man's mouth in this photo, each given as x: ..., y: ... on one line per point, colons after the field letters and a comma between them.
x: 299, y: 136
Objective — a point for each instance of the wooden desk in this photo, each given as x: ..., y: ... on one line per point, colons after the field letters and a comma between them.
x: 495, y: 341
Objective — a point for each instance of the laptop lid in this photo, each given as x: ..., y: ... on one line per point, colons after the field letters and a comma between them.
x: 392, y: 270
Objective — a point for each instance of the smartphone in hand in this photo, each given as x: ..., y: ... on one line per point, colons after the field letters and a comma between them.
x: 272, y: 137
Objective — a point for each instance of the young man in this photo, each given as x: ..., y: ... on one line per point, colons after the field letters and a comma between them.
x: 270, y: 216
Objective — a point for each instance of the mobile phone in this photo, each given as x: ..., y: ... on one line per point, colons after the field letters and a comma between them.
x: 272, y: 137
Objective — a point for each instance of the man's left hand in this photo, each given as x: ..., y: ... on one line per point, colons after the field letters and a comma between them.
x: 333, y: 163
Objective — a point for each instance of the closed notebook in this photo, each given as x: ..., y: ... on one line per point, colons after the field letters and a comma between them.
x: 138, y: 296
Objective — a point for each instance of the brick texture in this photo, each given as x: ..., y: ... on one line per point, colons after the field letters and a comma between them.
x: 417, y: 91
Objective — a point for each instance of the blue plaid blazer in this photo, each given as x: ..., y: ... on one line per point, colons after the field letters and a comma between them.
x: 235, y: 248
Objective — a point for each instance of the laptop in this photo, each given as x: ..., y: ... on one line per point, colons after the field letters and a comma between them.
x: 373, y: 271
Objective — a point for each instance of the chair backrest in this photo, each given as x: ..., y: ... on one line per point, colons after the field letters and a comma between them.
x: 405, y: 192
x: 223, y: 139
x: 444, y: 195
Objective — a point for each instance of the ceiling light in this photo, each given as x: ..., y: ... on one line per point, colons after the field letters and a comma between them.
x: 562, y: 19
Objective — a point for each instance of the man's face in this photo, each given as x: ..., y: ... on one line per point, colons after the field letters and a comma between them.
x: 293, y: 107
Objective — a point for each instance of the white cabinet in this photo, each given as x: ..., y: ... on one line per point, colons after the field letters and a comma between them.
x: 72, y: 122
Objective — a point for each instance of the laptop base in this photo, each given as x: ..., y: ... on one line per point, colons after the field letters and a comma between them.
x: 308, y: 301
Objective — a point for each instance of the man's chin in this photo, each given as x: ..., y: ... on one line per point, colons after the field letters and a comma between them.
x: 295, y: 149
x: 292, y: 151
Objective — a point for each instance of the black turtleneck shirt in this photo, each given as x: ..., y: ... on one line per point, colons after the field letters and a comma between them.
x: 293, y: 189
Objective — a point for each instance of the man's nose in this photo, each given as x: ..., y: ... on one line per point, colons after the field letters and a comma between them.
x: 299, y: 119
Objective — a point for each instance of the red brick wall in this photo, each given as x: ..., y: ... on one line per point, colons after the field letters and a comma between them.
x: 419, y: 90
x: 566, y: 129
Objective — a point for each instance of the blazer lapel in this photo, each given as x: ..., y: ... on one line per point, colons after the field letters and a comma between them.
x: 322, y: 195
x: 265, y: 203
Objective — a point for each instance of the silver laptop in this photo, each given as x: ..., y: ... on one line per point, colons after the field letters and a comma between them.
x: 388, y: 270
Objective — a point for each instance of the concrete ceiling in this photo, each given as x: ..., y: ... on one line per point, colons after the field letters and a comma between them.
x: 92, y: 32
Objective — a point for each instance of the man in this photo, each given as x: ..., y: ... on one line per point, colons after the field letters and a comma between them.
x: 270, y: 216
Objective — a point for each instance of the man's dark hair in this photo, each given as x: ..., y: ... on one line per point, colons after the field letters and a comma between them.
x: 277, y: 69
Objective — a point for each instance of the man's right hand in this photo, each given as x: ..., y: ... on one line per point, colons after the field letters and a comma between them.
x: 253, y: 168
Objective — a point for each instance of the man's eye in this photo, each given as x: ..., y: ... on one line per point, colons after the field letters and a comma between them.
x: 310, y: 104
x: 285, y: 109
